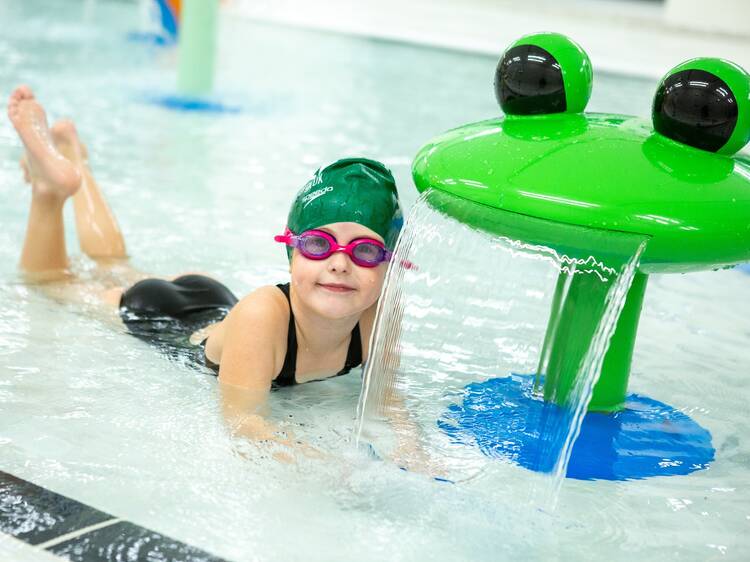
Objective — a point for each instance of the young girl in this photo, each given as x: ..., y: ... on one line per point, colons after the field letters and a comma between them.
x: 340, y: 232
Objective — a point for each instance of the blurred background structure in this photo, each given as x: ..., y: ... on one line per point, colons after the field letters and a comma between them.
x: 636, y: 37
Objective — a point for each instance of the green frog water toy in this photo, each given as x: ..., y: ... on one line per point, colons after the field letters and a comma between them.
x: 675, y: 182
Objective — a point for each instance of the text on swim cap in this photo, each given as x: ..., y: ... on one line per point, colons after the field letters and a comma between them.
x: 317, y: 178
x: 310, y: 197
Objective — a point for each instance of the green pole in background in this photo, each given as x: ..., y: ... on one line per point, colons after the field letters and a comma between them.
x: 197, y: 47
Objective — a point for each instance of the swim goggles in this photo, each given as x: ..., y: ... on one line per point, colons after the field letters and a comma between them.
x: 319, y: 245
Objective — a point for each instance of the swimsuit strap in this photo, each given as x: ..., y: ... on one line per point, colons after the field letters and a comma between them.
x: 288, y: 371
x: 354, y: 354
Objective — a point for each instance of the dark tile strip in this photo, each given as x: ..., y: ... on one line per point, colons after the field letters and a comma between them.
x: 126, y: 541
x: 36, y: 516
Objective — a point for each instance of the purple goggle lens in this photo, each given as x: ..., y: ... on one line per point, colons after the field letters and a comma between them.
x: 319, y: 245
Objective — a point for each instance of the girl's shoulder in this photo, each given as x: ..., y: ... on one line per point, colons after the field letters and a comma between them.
x: 265, y: 306
x: 250, y: 342
x: 260, y: 317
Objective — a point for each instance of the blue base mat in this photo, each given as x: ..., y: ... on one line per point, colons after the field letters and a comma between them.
x: 152, y: 39
x: 648, y: 438
x: 186, y: 103
x: 745, y: 267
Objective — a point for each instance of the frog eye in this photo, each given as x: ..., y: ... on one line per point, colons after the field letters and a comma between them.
x: 543, y: 73
x: 704, y: 103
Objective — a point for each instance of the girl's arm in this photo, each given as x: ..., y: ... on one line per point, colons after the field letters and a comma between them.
x: 252, y: 342
x: 247, y: 344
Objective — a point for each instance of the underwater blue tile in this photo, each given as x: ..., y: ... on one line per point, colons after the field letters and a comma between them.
x: 35, y: 515
x: 127, y: 542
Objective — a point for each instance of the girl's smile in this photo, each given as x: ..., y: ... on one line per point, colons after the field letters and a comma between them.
x: 336, y: 287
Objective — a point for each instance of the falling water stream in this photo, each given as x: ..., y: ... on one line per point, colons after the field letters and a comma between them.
x: 463, y: 307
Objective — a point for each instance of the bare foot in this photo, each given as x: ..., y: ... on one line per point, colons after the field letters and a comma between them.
x: 49, y: 171
x: 25, y: 169
x: 66, y: 140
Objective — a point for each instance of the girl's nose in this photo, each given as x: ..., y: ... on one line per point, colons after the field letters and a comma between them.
x: 339, y: 261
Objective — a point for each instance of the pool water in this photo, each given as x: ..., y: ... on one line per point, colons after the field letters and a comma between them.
x: 92, y: 413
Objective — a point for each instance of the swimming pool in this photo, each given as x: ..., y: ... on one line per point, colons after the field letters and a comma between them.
x: 91, y: 413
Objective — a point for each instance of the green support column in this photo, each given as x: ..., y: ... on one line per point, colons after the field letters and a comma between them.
x: 611, y: 390
x: 577, y: 308
x: 197, y: 47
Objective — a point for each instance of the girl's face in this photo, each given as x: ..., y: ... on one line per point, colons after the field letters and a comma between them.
x: 336, y: 287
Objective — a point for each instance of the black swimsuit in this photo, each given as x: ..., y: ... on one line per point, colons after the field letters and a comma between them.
x: 166, y: 313
x: 289, y: 369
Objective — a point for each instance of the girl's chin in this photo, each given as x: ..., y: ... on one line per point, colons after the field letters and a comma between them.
x: 334, y: 309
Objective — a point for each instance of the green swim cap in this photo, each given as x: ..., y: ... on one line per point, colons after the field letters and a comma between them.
x: 349, y: 190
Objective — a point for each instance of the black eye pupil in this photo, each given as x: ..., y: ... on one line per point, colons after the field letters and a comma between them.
x: 529, y: 81
x: 697, y: 108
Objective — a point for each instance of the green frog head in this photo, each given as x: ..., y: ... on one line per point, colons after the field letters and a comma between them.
x: 548, y: 173
x: 674, y: 180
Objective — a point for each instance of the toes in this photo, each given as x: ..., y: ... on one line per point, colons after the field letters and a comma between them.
x: 24, y: 92
x: 63, y: 125
x: 12, y: 111
x: 12, y: 105
x: 65, y: 138
x: 20, y: 94
x: 64, y: 129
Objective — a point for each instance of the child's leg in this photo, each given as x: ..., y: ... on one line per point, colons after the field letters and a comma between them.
x: 56, y: 171
x: 99, y: 234
x: 53, y: 179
